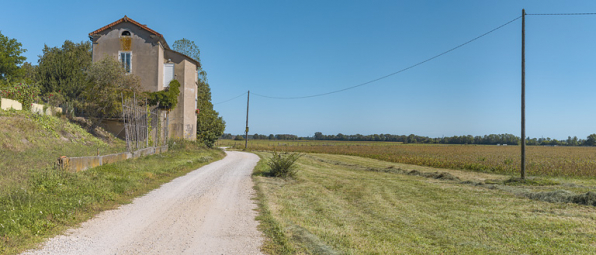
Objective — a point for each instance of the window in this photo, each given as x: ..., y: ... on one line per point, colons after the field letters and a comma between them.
x: 168, y: 74
x: 125, y: 33
x: 125, y: 57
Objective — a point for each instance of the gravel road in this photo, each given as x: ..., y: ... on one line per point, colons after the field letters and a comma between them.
x: 208, y: 211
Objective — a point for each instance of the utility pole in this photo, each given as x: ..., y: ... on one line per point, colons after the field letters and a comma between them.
x: 523, y: 98
x: 246, y: 131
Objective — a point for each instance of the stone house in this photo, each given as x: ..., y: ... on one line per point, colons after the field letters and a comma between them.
x: 145, y: 53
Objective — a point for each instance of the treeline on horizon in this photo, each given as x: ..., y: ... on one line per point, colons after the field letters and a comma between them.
x: 492, y: 139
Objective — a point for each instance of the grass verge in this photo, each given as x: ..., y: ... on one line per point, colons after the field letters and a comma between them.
x: 31, y: 141
x: 276, y: 241
x: 340, y: 204
x: 52, y: 201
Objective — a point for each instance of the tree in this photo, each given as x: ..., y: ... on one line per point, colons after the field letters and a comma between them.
x: 29, y: 73
x: 591, y: 141
x: 318, y: 136
x: 210, y: 125
x: 64, y: 69
x: 10, y: 59
x: 108, y: 82
x: 188, y: 48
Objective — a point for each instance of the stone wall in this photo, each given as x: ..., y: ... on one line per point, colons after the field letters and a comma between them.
x: 38, y: 108
x: 6, y: 104
x: 76, y: 164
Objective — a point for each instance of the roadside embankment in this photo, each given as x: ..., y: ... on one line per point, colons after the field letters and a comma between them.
x: 39, y: 201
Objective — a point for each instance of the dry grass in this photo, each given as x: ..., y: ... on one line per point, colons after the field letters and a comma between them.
x: 541, y: 161
x: 344, y: 204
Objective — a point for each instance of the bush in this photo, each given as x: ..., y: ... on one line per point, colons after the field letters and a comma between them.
x: 282, y: 164
x: 167, y: 98
x: 26, y: 94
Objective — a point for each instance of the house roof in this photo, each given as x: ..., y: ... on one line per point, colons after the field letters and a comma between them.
x: 192, y: 60
x: 127, y: 19
x: 144, y: 27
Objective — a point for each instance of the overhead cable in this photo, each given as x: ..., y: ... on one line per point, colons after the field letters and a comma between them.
x: 562, y: 14
x: 231, y: 98
x: 394, y: 73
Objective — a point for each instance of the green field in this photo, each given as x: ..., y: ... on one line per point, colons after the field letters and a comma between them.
x: 341, y: 204
x: 540, y: 160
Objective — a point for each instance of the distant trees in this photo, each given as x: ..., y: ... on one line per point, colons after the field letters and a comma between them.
x: 491, y: 139
x: 591, y: 141
x: 227, y: 136
x: 261, y: 137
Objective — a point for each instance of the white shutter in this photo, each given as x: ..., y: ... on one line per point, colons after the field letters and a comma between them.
x: 168, y: 74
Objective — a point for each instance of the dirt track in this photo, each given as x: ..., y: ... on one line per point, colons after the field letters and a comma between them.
x: 208, y: 211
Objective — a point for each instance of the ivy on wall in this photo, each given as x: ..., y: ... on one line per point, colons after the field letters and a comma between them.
x: 167, y: 98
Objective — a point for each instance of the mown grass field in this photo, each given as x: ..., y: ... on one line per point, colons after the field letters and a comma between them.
x: 39, y: 201
x: 540, y: 160
x: 341, y: 204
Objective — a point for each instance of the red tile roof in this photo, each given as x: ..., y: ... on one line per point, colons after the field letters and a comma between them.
x: 125, y: 19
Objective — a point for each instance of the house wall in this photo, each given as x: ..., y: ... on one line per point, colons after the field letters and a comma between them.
x: 160, y: 62
x: 183, y: 120
x: 148, y: 58
x: 145, y: 52
x: 190, y: 90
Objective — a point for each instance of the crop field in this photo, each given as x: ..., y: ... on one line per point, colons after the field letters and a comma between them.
x: 540, y: 160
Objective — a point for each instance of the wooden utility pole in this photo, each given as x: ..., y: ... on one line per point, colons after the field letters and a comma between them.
x: 246, y: 131
x: 523, y: 98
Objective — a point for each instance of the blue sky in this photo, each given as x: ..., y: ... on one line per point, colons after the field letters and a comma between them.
x: 300, y: 48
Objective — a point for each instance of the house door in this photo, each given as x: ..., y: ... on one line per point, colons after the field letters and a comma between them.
x: 168, y: 74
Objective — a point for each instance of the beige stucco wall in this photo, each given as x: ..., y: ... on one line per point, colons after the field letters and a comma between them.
x: 145, y: 49
x: 160, y: 61
x: 190, y: 90
x: 183, y: 119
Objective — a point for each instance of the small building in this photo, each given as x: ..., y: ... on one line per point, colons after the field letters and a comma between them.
x: 145, y: 53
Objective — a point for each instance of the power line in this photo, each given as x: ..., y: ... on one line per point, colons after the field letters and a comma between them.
x: 394, y: 73
x: 231, y: 99
x: 562, y: 14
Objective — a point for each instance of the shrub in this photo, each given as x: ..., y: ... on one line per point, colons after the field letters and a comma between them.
x: 167, y: 98
x: 21, y: 92
x: 282, y: 164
